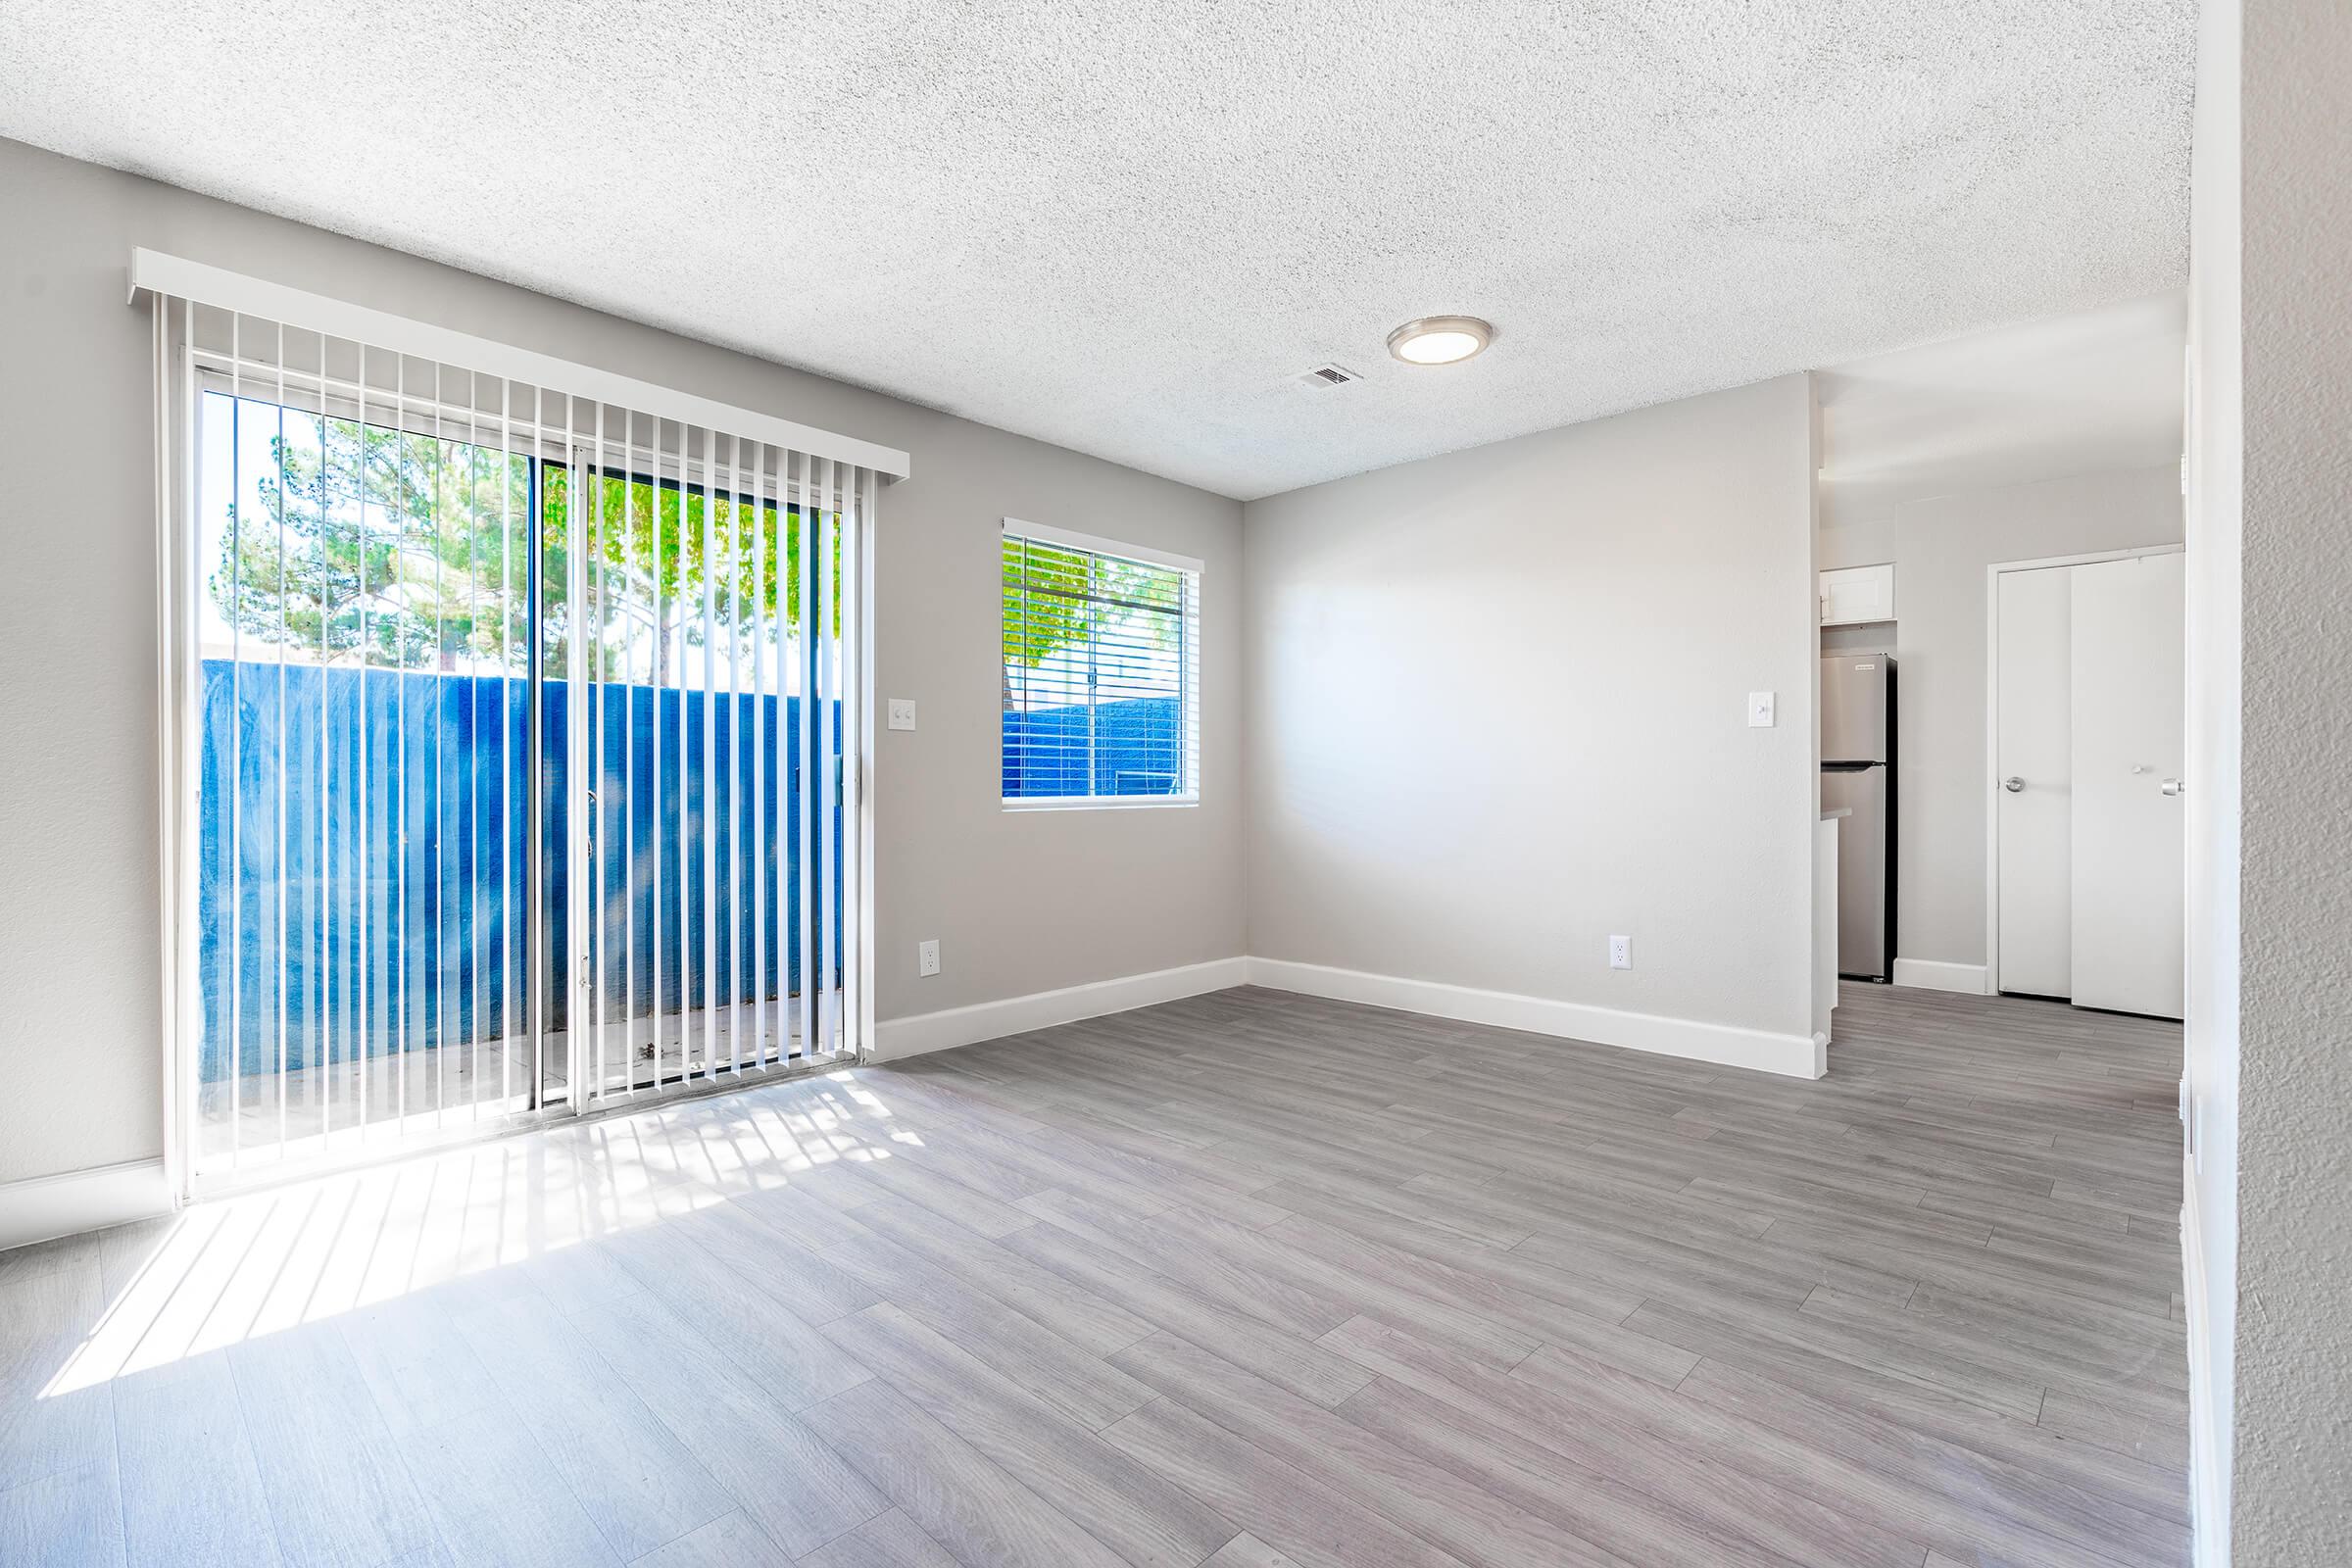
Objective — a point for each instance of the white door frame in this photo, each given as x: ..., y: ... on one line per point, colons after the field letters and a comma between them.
x: 1992, y: 728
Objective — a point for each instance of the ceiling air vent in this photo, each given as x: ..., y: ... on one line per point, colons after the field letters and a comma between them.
x: 1329, y: 375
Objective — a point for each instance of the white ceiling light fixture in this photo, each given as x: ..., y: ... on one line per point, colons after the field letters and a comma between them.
x: 1439, y: 339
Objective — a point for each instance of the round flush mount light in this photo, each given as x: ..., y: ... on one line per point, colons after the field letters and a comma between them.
x: 1439, y: 339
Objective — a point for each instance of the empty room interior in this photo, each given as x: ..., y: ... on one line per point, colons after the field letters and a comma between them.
x: 1345, y: 785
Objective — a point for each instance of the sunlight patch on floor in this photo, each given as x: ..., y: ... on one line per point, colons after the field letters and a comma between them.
x: 233, y: 1270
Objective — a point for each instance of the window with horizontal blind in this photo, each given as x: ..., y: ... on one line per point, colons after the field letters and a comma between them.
x: 1101, y: 670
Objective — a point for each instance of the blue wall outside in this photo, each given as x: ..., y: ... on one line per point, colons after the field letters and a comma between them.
x: 1138, y: 750
x: 439, y: 911
x: 436, y: 743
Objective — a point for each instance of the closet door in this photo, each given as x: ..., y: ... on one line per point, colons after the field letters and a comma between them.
x: 2034, y: 782
x: 2127, y: 846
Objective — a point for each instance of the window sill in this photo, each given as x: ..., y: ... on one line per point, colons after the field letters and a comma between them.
x: 1103, y: 803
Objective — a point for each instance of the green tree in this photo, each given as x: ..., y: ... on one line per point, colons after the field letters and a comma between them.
x: 407, y: 550
x: 376, y: 545
x: 1055, y: 598
x: 651, y: 549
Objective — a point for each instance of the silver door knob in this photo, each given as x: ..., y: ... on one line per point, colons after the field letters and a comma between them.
x: 2173, y: 786
x: 2013, y: 783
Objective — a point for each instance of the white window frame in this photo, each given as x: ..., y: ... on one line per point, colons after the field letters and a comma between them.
x: 1095, y: 544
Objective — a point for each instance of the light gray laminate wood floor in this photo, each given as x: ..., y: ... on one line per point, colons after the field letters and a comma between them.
x: 1250, y: 1280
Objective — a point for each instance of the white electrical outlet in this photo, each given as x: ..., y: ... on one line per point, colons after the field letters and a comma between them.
x: 1759, y: 709
x: 1621, y: 953
x: 926, y: 957
x: 901, y: 712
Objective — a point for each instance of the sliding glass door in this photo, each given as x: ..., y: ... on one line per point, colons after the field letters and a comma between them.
x: 514, y: 738
x: 712, y: 731
x: 364, y: 633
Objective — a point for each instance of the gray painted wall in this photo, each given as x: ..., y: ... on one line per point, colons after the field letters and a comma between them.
x: 2294, y: 1093
x: 1021, y: 902
x: 1496, y: 713
x: 1941, y: 548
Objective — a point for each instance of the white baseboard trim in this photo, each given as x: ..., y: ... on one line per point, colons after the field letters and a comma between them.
x: 1795, y: 1056
x: 895, y: 1038
x: 41, y: 1208
x: 1804, y: 1055
x: 1932, y: 974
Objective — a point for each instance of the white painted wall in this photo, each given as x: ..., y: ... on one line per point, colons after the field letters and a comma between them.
x: 1941, y: 547
x: 1018, y: 901
x: 1495, y: 715
x: 2292, y: 1141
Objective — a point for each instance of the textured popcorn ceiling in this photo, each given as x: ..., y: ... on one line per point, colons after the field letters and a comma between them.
x: 1128, y: 227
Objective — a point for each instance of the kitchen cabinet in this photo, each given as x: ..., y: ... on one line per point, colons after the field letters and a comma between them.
x: 1853, y: 594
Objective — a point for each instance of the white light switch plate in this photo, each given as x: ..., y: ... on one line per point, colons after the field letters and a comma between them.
x: 901, y: 712
x: 926, y: 957
x: 1759, y: 709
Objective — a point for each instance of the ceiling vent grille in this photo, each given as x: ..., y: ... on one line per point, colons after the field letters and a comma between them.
x: 1329, y: 375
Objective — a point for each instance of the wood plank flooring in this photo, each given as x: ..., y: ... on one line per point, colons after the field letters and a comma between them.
x: 1249, y: 1280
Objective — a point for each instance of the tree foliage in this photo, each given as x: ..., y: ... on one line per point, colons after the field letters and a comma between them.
x: 1057, y: 599
x: 411, y: 551
x: 653, y: 549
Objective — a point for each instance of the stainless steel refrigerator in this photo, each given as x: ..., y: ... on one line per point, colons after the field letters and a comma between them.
x: 1858, y: 772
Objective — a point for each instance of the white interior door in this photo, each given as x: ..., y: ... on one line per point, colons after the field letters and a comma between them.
x: 2128, y: 845
x: 2034, y: 782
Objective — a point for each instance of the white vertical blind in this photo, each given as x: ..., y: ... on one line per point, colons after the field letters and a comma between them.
x: 725, y: 628
x: 421, y: 617
x: 851, y: 671
x: 804, y: 735
x: 343, y: 632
